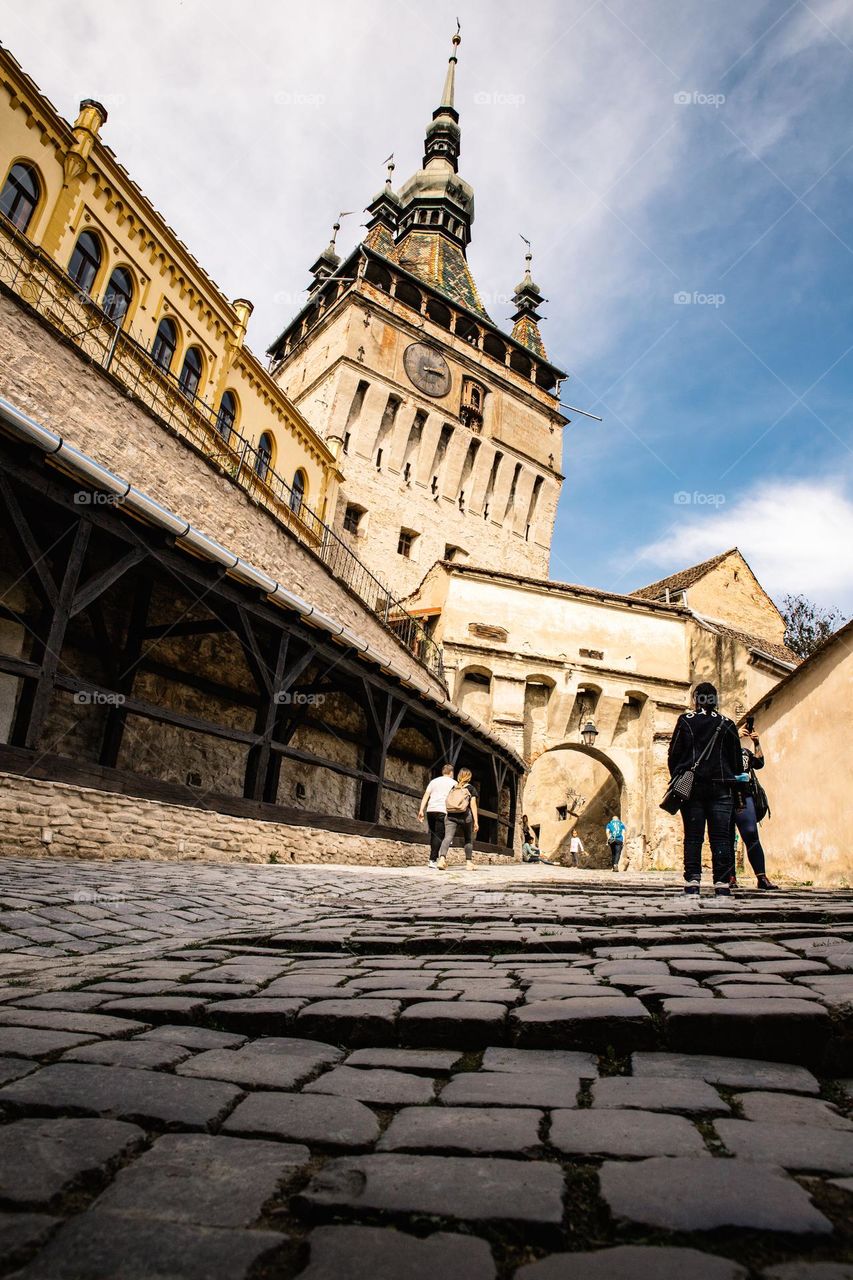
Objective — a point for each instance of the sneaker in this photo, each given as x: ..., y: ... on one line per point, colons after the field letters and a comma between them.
x: 722, y: 889
x: 432, y: 865
x: 764, y: 883
x: 442, y: 863
x: 470, y: 865
x: 692, y: 888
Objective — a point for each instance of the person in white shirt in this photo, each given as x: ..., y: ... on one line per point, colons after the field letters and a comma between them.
x: 576, y: 847
x: 434, y: 808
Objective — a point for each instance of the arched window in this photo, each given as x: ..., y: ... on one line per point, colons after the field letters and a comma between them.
x: 297, y: 491
x: 263, y: 456
x: 85, y: 261
x: 20, y: 195
x: 165, y: 342
x: 226, y: 415
x: 191, y: 372
x: 118, y: 295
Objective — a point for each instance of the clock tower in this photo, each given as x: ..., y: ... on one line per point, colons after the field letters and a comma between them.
x: 447, y: 429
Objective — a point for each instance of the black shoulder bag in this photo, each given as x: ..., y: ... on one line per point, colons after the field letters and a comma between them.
x: 759, y: 799
x: 681, y: 785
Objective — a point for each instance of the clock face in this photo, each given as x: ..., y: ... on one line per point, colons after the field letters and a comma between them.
x: 427, y: 369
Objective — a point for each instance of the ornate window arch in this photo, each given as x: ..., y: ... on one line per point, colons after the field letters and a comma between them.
x: 21, y: 194
x: 85, y: 261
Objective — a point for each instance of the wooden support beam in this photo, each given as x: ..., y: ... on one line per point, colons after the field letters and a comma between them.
x: 126, y: 669
x: 34, y: 558
x: 98, y: 584
x: 51, y: 649
x: 256, y: 780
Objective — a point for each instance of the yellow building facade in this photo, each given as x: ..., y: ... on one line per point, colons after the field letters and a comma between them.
x: 80, y: 242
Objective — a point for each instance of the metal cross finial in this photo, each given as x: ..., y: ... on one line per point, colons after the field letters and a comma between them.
x: 457, y: 39
x: 390, y: 166
x: 528, y: 257
x: 336, y: 226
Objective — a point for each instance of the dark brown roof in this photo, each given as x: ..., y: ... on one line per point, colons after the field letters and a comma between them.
x: 841, y: 636
x: 683, y: 579
x: 771, y: 647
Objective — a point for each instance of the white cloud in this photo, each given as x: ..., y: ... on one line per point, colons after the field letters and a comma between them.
x: 795, y: 534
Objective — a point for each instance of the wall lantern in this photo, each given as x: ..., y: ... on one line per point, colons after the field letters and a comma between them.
x: 589, y: 733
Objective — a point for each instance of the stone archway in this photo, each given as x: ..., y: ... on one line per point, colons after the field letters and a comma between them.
x: 572, y: 789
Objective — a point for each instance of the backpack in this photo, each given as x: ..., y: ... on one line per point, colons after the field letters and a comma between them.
x: 458, y: 801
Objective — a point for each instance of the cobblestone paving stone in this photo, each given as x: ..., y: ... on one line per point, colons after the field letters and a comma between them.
x: 327, y: 1072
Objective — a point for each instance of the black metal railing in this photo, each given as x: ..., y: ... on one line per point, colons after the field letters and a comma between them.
x: 30, y: 274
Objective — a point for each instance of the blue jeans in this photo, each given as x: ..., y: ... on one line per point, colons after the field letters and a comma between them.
x: 747, y: 825
x: 711, y: 804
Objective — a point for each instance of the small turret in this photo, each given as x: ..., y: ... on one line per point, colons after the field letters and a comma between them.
x: 528, y: 298
x: 384, y: 210
x: 329, y: 260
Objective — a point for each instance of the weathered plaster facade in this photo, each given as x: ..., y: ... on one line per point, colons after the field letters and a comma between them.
x: 538, y: 659
x: 804, y: 726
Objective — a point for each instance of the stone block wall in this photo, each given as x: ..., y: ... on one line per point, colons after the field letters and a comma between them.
x: 41, y: 819
x: 58, y: 387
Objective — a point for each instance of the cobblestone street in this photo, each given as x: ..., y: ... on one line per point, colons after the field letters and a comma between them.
x: 225, y: 1072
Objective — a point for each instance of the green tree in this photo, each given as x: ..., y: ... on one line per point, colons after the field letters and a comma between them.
x: 807, y: 625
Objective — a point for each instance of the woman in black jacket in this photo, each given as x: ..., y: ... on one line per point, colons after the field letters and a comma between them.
x: 711, y: 802
x: 745, y: 816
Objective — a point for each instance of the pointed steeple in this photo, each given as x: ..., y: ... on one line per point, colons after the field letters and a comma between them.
x: 384, y: 210
x: 437, y: 206
x: 329, y: 260
x: 528, y: 298
x: 443, y: 135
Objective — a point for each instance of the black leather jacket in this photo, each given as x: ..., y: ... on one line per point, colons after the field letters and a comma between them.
x: 693, y: 731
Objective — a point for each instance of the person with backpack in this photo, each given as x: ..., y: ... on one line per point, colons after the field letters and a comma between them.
x: 753, y: 807
x: 705, y: 749
x: 462, y: 815
x: 615, y: 832
x: 433, y: 808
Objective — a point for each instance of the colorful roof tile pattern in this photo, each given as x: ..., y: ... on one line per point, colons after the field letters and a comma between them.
x: 380, y: 240
x: 438, y: 262
x: 526, y: 331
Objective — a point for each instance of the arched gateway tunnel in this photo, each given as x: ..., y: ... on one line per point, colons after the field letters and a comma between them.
x: 139, y: 659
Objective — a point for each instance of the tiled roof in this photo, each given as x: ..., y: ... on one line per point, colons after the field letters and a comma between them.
x: 770, y: 647
x: 380, y: 240
x: 526, y: 331
x: 682, y: 580
x: 440, y: 263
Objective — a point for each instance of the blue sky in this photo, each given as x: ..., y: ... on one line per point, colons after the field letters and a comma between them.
x: 648, y: 148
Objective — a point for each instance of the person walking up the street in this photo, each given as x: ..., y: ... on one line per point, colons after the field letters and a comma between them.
x: 706, y: 743
x: 434, y: 807
x: 575, y: 847
x: 615, y: 832
x: 462, y: 815
x: 753, y: 808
